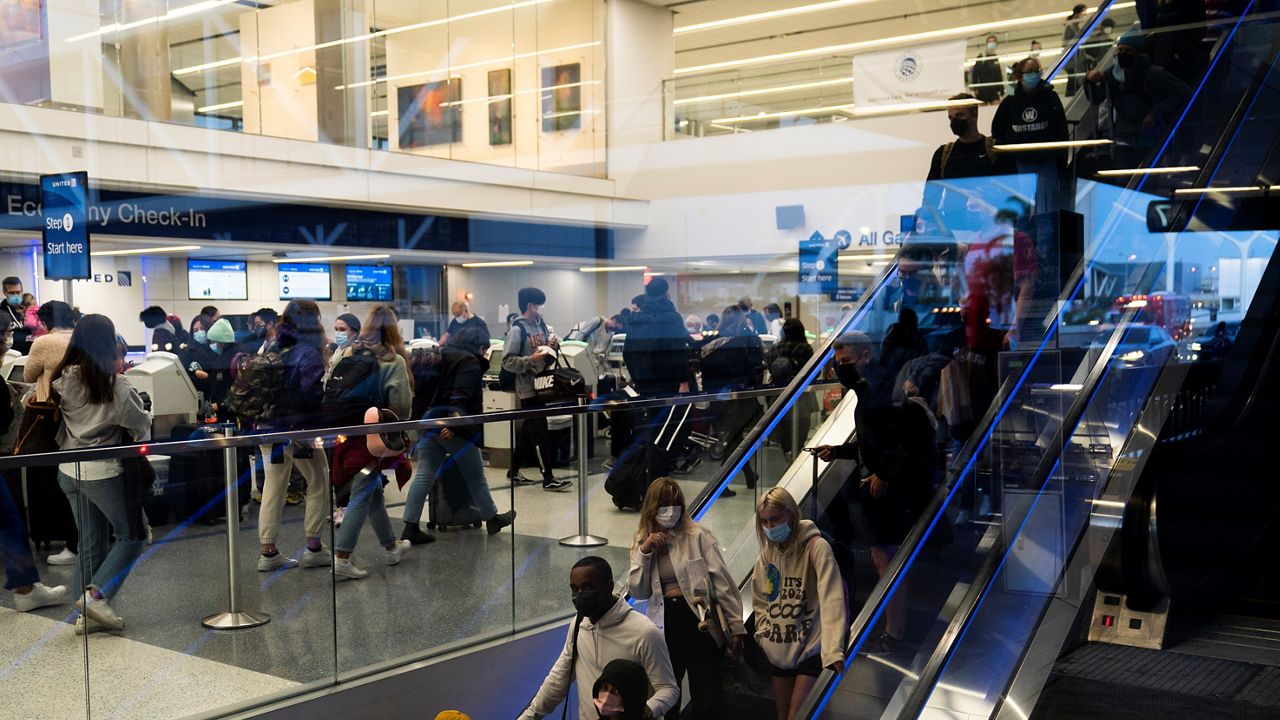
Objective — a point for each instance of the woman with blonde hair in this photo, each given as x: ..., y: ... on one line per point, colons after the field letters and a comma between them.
x: 798, y: 599
x: 676, y: 562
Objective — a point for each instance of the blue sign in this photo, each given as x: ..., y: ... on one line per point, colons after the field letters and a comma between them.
x: 369, y: 282
x: 65, y: 230
x: 846, y: 294
x: 818, y: 274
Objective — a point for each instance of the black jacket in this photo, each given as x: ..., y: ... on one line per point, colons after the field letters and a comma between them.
x: 461, y: 389
x: 1031, y: 117
x: 657, y: 350
x: 1146, y: 90
x: 987, y: 70
x: 732, y: 362
x: 303, y: 392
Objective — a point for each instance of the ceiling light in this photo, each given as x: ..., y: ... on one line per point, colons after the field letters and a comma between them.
x: 766, y: 91
x: 278, y: 261
x: 191, y: 69
x: 147, y: 251
x: 787, y: 113
x: 497, y: 263
x: 961, y: 31
x: 1055, y: 145
x: 770, y: 15
x: 220, y: 106
x: 615, y: 268
x: 1234, y: 189
x: 156, y: 19
x: 908, y: 107
x: 1147, y: 171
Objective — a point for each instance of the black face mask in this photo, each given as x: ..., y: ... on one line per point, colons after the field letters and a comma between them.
x: 959, y: 126
x: 1126, y: 60
x: 592, y: 604
x: 848, y: 375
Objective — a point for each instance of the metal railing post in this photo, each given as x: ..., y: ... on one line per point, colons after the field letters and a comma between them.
x: 583, y: 538
x: 234, y: 617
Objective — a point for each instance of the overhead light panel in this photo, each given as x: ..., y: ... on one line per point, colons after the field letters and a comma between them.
x: 770, y: 15
x: 765, y: 91
x: 220, y: 106
x: 1225, y: 190
x: 1055, y: 145
x: 331, y: 258
x: 615, y: 268
x: 1124, y: 172
x: 146, y: 251
x: 498, y: 263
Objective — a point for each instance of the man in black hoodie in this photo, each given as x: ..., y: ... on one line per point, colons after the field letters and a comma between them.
x: 657, y: 354
x: 1145, y: 100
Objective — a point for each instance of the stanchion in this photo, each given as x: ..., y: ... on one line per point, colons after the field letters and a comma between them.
x: 583, y: 538
x: 234, y: 618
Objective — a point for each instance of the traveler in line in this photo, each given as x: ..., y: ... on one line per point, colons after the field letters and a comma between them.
x: 195, y: 354
x: 621, y: 691
x: 99, y: 408
x: 381, y: 335
x: 773, y: 318
x: 300, y: 345
x: 731, y: 362
x: 658, y: 355
x: 802, y: 630
x: 47, y: 352
x: 345, y: 331
x: 785, y: 360
x: 221, y: 349
x: 606, y: 628
x: 463, y: 318
x: 30, y: 317
x: 530, y: 349
x: 20, y: 574
x: 15, y: 318
x: 754, y: 319
x: 167, y: 334
x: 460, y: 393
x: 212, y: 313
x: 673, y: 561
x: 263, y: 325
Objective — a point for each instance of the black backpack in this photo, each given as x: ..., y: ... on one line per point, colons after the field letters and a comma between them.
x: 354, y: 386
x: 506, y: 378
x: 426, y: 368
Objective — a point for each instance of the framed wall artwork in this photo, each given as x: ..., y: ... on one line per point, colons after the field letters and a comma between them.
x: 562, y: 97
x: 500, y: 107
x: 430, y: 113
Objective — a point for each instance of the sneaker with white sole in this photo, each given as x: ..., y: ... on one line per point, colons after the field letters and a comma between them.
x: 397, y: 553
x: 40, y: 596
x: 99, y: 609
x: 66, y: 557
x: 267, y: 563
x: 316, y: 558
x: 93, y: 626
x: 344, y: 568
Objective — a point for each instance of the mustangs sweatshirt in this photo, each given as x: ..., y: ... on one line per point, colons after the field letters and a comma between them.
x: 798, y: 598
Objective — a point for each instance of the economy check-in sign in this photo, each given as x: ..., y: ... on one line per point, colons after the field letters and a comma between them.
x: 65, y: 227
x: 818, y: 275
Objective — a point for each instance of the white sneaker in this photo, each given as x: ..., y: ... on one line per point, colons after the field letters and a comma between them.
x: 397, y: 553
x: 93, y: 625
x: 267, y: 563
x: 40, y: 596
x: 316, y: 558
x: 344, y: 568
x: 66, y: 557
x: 99, y: 610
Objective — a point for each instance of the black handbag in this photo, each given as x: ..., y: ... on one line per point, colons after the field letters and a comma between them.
x: 559, y: 383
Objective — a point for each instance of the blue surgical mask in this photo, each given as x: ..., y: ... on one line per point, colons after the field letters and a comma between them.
x: 201, y: 337
x: 991, y: 47
x: 1117, y: 72
x: 15, y: 300
x: 341, y: 339
x: 1030, y: 80
x: 216, y: 348
x: 778, y: 533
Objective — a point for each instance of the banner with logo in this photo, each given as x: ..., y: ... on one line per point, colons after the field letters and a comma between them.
x: 912, y: 74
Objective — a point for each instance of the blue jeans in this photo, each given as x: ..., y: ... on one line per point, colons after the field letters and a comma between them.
x: 432, y: 454
x: 15, y: 551
x: 99, y: 509
x: 367, y: 502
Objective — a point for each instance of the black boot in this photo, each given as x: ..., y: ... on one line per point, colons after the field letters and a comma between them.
x: 495, y: 524
x: 415, y: 536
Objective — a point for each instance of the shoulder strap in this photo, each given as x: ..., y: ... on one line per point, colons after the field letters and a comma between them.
x: 946, y: 156
x: 990, y: 144
x: 573, y: 661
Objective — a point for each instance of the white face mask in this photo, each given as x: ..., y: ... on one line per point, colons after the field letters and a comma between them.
x: 668, y: 515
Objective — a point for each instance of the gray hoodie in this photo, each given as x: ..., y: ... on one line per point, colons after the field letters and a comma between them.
x: 88, y: 426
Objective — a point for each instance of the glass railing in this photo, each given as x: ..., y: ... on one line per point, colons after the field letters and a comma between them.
x: 854, y: 79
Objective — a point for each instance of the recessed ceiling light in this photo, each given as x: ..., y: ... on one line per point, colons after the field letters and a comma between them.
x: 146, y: 251
x: 497, y: 263
x: 330, y: 258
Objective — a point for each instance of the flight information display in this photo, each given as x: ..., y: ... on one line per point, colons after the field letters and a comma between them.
x: 308, y: 281
x: 369, y: 282
x: 217, y: 280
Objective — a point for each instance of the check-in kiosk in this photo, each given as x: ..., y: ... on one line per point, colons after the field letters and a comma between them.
x: 167, y: 392
x: 10, y: 358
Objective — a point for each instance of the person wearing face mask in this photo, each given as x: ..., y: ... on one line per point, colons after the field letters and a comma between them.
x: 15, y: 318
x: 262, y: 331
x: 222, y: 349
x: 798, y: 597
x: 1079, y: 62
x: 463, y: 318
x: 1144, y: 98
x: 673, y: 561
x: 530, y: 349
x: 986, y: 78
x: 1033, y: 114
x: 1098, y: 45
x: 195, y: 355
x: 970, y: 155
x: 606, y: 629
x: 345, y: 330
x: 620, y: 692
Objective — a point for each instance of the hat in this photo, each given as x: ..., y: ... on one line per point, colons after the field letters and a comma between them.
x: 628, y: 678
x: 221, y: 332
x: 1133, y: 39
x: 656, y: 288
x: 384, y: 445
x: 352, y: 321
x: 452, y: 715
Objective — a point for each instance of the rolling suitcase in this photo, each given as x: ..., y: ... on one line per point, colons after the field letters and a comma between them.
x: 451, y: 503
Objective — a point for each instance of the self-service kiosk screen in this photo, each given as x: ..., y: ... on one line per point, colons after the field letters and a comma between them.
x: 217, y: 280
x: 308, y: 281
x: 369, y: 282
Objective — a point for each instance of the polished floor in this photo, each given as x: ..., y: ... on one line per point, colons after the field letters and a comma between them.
x: 465, y: 587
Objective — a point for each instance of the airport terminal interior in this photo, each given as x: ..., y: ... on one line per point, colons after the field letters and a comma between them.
x: 899, y: 360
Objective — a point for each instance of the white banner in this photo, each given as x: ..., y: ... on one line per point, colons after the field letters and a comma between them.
x: 911, y: 74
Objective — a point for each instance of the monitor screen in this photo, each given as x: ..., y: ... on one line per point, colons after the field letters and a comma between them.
x: 308, y: 281
x: 369, y: 282
x: 217, y: 280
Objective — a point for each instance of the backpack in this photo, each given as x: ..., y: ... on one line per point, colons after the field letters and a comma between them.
x: 354, y: 386
x: 988, y: 142
x: 258, y: 386
x: 586, y: 329
x: 506, y: 378
x: 426, y: 369
x: 782, y: 371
